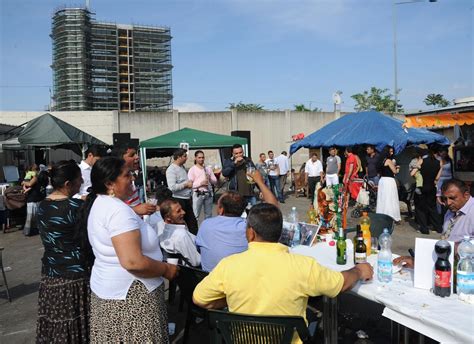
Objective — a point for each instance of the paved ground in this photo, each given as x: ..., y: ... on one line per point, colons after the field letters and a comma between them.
x: 23, y: 255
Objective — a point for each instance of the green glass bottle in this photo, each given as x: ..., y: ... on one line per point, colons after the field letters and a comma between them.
x: 341, y: 248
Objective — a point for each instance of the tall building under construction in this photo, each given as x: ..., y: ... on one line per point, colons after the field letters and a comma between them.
x: 108, y: 66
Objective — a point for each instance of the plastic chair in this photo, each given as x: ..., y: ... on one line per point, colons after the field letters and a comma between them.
x: 172, y: 284
x: 234, y: 328
x: 188, y: 278
x: 3, y: 273
x: 378, y: 222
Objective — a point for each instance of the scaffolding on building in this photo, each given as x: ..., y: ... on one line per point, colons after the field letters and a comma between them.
x: 117, y: 67
x: 71, y: 59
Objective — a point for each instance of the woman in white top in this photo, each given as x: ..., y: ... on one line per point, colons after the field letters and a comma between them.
x: 127, y: 301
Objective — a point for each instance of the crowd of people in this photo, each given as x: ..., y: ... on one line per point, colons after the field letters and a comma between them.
x: 106, y: 249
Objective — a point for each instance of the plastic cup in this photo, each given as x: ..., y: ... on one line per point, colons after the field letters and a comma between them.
x: 374, y: 245
x: 250, y: 172
x: 173, y: 261
x: 152, y: 200
x: 328, y: 238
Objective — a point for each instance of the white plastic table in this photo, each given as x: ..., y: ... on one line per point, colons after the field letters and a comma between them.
x: 447, y: 320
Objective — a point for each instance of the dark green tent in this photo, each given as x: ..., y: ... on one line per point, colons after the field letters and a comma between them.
x: 196, y: 139
x: 164, y: 145
x: 50, y: 131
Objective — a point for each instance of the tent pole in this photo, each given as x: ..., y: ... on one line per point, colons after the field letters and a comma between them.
x: 144, y: 172
x: 246, y: 149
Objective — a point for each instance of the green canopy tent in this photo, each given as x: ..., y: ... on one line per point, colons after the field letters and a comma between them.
x: 164, y: 145
x: 50, y: 131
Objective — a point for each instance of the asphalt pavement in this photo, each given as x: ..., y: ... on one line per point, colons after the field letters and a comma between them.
x: 23, y: 255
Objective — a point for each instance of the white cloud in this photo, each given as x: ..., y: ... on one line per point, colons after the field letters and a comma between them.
x: 190, y: 107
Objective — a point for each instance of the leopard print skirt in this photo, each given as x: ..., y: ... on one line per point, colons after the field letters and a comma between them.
x: 140, y: 318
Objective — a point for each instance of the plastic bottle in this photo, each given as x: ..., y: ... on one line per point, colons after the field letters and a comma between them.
x: 293, y: 219
x: 365, y: 227
x: 465, y: 271
x: 442, y: 269
x: 384, y: 259
x: 365, y: 221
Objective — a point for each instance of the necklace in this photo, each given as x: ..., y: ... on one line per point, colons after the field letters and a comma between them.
x: 57, y: 195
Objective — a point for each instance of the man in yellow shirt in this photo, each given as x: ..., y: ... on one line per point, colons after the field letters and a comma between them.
x: 267, y: 279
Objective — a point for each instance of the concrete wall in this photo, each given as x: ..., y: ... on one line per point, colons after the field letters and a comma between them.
x: 270, y: 130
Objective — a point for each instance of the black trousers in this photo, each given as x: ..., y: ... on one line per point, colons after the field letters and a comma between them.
x: 312, y: 181
x: 426, y: 212
x: 189, y: 218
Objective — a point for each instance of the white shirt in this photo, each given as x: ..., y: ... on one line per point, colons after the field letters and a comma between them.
x: 283, y: 163
x: 177, y: 239
x: 156, y: 222
x: 110, y: 217
x: 270, y: 163
x: 86, y: 178
x: 313, y: 169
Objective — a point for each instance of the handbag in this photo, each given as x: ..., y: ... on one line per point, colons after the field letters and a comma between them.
x: 14, y: 197
x: 363, y: 197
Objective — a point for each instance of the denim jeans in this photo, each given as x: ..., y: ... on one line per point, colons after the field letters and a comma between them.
x: 275, y: 186
x: 200, y: 201
x: 251, y: 199
x: 374, y: 179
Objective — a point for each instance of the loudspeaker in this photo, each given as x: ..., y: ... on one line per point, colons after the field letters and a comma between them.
x: 245, y: 134
x: 134, y: 143
x: 121, y: 139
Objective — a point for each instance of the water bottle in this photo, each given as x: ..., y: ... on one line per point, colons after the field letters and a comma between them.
x: 384, y: 259
x: 465, y: 271
x: 293, y: 219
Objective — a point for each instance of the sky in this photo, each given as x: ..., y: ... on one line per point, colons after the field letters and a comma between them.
x: 276, y: 53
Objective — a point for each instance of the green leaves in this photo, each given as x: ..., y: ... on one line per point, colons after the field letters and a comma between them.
x: 436, y: 100
x: 246, y: 107
x: 377, y: 99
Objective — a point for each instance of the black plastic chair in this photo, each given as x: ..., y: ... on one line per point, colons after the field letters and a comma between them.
x: 3, y: 273
x: 234, y: 328
x: 172, y: 284
x: 380, y: 221
x: 377, y: 224
x: 188, y: 278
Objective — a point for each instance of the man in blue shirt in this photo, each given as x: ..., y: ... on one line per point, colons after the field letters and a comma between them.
x: 224, y: 235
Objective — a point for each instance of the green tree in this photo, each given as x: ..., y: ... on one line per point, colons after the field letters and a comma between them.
x: 250, y: 107
x: 302, y: 108
x: 436, y: 100
x: 376, y: 99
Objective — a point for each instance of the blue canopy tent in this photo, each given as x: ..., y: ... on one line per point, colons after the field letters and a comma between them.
x: 369, y: 127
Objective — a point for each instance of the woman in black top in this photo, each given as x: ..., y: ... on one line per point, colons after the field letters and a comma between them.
x: 387, y: 192
x: 64, y: 293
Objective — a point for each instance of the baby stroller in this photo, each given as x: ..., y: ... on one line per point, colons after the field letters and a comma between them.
x: 369, y: 188
x: 406, y: 194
